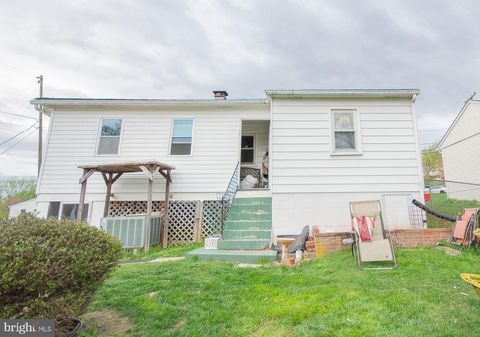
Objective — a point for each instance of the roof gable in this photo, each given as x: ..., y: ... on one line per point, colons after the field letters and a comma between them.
x: 465, y: 125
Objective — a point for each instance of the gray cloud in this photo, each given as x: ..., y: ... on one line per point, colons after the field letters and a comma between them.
x: 180, y: 49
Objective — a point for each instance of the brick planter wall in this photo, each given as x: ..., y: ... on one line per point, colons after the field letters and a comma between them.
x: 402, y: 238
x: 410, y: 238
x: 332, y: 242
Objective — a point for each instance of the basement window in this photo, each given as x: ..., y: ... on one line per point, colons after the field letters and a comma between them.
x: 69, y: 211
x: 181, y: 140
x: 53, y: 209
x: 346, y: 135
x: 109, y: 138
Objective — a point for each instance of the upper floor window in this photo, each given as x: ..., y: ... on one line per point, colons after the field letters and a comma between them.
x: 181, y: 143
x: 345, y: 131
x: 110, y: 133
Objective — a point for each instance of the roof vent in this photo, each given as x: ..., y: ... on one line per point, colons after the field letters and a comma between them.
x: 220, y: 94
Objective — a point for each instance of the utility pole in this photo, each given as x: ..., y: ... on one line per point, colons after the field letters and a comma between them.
x: 40, y: 117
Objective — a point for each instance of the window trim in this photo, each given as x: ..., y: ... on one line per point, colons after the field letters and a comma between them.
x: 99, y: 134
x: 172, y: 123
x: 254, y: 135
x: 356, y: 130
x: 62, y: 203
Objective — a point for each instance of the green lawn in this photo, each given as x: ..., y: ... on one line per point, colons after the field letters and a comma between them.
x: 157, y: 251
x: 425, y: 296
x: 453, y: 207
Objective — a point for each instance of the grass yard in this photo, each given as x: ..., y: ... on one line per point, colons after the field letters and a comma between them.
x: 441, y: 203
x: 157, y: 251
x: 425, y: 296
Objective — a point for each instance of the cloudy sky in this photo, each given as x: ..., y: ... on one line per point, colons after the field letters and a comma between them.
x: 184, y: 49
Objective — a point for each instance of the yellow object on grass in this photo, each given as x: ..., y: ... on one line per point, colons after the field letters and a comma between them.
x: 474, y: 280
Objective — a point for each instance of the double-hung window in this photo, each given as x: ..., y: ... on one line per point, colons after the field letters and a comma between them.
x: 345, y: 131
x: 109, y: 138
x: 182, y: 133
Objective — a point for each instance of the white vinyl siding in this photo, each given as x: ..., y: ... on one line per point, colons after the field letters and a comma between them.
x: 146, y: 135
x: 458, y: 170
x: 461, y: 159
x: 312, y: 186
x: 467, y: 125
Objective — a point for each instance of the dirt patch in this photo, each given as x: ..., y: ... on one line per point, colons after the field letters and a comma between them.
x: 107, y: 322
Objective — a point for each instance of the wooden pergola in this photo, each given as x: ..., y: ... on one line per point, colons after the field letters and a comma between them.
x: 111, y: 173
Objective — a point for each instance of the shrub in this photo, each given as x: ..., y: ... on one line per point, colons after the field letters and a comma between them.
x: 51, y: 268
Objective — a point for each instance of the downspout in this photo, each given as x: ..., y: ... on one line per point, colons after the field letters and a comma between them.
x: 41, y: 111
x: 421, y: 184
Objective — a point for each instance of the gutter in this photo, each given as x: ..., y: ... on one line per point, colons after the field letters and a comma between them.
x: 344, y: 92
x: 82, y: 102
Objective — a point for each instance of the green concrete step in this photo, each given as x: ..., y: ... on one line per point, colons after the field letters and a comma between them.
x: 252, y: 213
x: 241, y: 256
x: 252, y: 201
x: 247, y: 234
x: 248, y: 225
x: 245, y: 244
x: 248, y: 207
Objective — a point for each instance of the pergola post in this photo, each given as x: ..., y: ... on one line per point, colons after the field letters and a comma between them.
x: 83, y: 191
x: 109, y: 183
x: 165, y: 214
x: 148, y: 218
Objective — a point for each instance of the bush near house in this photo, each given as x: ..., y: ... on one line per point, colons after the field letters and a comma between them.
x: 50, y: 268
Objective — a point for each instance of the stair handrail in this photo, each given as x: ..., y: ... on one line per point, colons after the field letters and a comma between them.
x: 228, y: 196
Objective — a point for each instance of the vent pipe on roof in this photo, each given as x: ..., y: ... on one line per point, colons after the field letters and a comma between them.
x: 220, y: 94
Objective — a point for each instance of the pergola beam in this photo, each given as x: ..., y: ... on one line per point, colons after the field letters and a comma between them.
x: 86, y: 174
x: 111, y: 173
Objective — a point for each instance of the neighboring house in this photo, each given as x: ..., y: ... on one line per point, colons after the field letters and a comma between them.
x: 326, y: 148
x: 27, y: 206
x: 460, y: 152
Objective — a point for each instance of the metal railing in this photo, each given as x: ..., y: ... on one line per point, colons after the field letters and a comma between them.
x: 229, y: 195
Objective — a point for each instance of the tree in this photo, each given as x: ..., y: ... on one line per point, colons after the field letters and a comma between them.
x: 432, y: 164
x: 15, y: 190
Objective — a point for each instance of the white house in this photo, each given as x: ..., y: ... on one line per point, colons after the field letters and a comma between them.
x: 326, y: 147
x: 27, y: 206
x: 460, y: 153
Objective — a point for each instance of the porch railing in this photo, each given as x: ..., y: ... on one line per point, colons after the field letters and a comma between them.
x: 229, y: 195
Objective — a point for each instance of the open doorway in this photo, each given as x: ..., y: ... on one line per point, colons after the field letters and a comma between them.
x: 254, y: 155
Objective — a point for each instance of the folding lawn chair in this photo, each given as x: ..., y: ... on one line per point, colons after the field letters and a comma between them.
x: 370, y: 244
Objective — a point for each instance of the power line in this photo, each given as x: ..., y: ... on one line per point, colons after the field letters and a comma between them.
x: 432, y: 130
x: 18, y: 134
x: 6, y: 123
x: 21, y: 139
x: 18, y: 115
x: 14, y: 67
